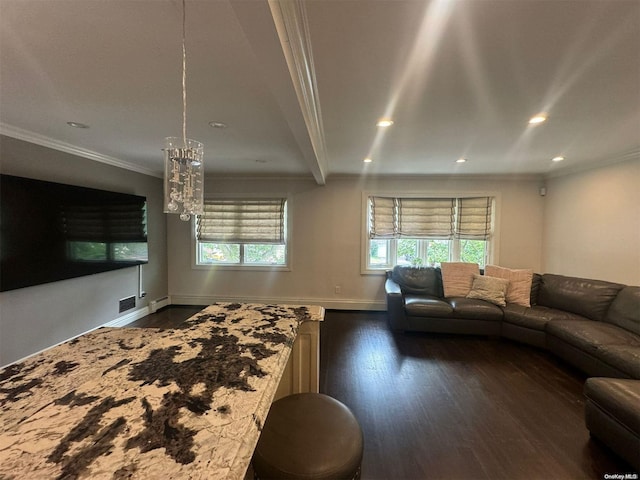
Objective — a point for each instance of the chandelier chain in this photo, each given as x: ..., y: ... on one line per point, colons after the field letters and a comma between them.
x: 184, y: 76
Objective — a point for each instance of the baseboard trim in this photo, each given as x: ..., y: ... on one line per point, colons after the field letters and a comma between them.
x: 333, y: 304
x: 128, y: 318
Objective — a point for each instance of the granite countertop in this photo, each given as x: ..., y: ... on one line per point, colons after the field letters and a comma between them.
x: 120, y: 403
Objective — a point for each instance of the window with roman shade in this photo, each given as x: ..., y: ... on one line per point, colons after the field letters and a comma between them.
x: 114, y: 232
x: 242, y: 221
x: 427, y: 231
x: 473, y: 218
x: 425, y: 217
x: 383, y: 217
x: 242, y: 233
x: 464, y: 218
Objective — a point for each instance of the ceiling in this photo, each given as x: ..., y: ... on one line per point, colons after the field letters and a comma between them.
x: 301, y: 84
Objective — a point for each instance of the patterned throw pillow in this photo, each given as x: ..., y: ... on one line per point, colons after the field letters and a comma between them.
x: 457, y: 277
x: 490, y: 289
x: 519, y: 290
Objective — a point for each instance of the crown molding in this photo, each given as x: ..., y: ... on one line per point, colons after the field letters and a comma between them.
x: 43, y: 141
x: 630, y: 155
x: 437, y: 176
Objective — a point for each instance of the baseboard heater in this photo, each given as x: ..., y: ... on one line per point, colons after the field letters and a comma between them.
x: 157, y: 304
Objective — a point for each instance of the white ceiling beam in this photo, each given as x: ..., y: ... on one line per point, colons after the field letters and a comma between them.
x: 278, y: 34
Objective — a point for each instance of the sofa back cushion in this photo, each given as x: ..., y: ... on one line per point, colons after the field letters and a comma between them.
x: 536, y: 281
x: 625, y: 310
x: 589, y: 298
x: 418, y: 280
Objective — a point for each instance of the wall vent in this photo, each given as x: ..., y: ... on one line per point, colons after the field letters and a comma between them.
x: 127, y: 303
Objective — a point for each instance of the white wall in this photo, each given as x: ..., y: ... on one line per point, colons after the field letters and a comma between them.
x: 587, y: 225
x: 326, y: 239
x: 592, y: 224
x: 34, y: 318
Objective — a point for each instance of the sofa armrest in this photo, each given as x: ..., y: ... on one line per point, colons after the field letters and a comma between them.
x: 395, y: 305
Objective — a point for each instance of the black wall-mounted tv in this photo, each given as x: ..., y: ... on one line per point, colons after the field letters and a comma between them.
x: 51, y: 231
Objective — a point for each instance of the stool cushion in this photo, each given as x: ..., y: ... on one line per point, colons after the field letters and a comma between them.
x: 309, y: 436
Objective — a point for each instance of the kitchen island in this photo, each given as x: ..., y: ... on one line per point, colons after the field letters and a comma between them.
x: 116, y: 403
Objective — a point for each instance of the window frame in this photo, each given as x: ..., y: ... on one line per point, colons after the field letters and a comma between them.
x: 195, y: 244
x: 491, y: 256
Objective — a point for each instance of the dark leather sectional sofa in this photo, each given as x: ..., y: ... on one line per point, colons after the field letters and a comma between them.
x: 592, y: 324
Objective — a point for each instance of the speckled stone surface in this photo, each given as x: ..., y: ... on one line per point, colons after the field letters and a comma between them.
x: 122, y: 403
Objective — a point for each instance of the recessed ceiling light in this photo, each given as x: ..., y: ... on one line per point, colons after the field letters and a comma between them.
x: 218, y: 125
x: 385, y: 122
x: 461, y: 160
x: 559, y: 158
x: 77, y: 125
x: 367, y: 160
x: 541, y: 117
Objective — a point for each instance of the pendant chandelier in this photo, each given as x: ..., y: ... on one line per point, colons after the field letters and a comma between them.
x: 183, y: 159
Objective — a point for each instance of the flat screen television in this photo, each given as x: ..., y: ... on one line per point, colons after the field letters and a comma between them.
x: 52, y: 231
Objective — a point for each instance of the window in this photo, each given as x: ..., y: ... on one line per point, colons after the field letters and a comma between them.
x: 242, y: 232
x: 101, y: 252
x: 122, y: 225
x: 428, y: 231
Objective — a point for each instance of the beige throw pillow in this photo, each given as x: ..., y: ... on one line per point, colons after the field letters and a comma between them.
x: 457, y: 278
x: 490, y: 289
x: 519, y: 291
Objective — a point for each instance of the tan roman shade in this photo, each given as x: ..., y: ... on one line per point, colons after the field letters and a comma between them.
x: 425, y: 217
x: 466, y: 218
x: 383, y: 217
x: 242, y: 221
x: 473, y: 219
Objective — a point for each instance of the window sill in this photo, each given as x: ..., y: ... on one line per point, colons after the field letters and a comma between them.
x: 375, y: 271
x: 245, y: 268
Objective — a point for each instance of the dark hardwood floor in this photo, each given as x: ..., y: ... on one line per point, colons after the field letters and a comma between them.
x: 452, y: 407
x: 167, y: 317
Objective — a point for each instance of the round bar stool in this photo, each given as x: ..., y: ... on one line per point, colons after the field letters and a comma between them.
x: 309, y: 436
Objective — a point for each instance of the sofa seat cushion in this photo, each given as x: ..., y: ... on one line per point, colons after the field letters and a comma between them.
x: 619, y: 397
x: 535, y: 317
x: 625, y: 358
x: 588, y: 335
x: 470, y: 308
x: 426, y: 306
